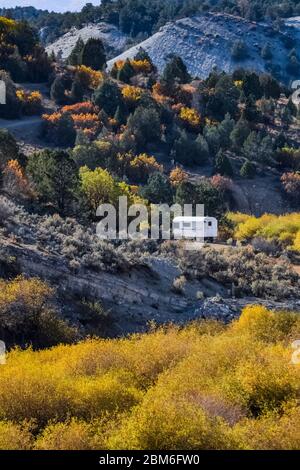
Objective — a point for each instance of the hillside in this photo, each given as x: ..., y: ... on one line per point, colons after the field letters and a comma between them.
x: 123, y: 325
x: 206, y: 41
x: 114, y: 40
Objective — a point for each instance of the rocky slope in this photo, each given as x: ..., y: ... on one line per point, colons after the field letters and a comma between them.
x: 206, y: 41
x: 114, y: 40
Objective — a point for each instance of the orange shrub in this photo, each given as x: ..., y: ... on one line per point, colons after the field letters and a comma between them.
x: 177, y: 176
x: 15, y: 181
x: 221, y: 182
x: 80, y: 108
x: 84, y: 116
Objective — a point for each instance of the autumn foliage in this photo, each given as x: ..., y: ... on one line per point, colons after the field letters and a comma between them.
x: 282, y: 229
x: 88, y: 77
x: 31, y: 102
x: 177, y: 176
x: 190, y: 118
x: 15, y: 181
x: 204, y: 386
x: 83, y: 115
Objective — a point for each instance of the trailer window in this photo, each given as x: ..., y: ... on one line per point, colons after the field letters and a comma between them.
x: 176, y: 225
x: 186, y: 224
x: 209, y: 224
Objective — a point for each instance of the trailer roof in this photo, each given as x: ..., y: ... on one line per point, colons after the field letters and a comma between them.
x: 192, y: 219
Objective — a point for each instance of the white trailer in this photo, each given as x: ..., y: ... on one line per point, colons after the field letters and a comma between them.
x: 205, y: 228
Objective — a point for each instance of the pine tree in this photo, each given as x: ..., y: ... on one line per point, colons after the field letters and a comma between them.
x: 239, y: 134
x: 57, y: 91
x: 55, y: 175
x: 120, y: 115
x: 247, y: 170
x: 175, y: 71
x: 126, y: 72
x: 108, y: 97
x: 222, y: 165
x: 225, y: 129
x: 77, y: 90
x: 250, y: 112
x: 74, y: 57
x: 93, y: 54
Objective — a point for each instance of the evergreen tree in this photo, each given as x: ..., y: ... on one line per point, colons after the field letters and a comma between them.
x: 55, y: 175
x: 257, y: 148
x: 213, y: 138
x: 250, y: 112
x: 77, y: 90
x: 270, y: 86
x: 247, y: 170
x: 145, y: 125
x: 225, y: 128
x: 286, y: 117
x: 222, y: 165
x: 93, y: 54
x: 211, y: 197
x: 120, y: 115
x: 74, y: 57
x: 239, y: 50
x: 175, y: 71
x: 57, y: 91
x: 239, y: 134
x: 126, y: 72
x: 107, y: 97
x: 143, y: 55
x: 186, y: 194
x: 158, y: 189
x: 251, y: 85
x: 190, y: 152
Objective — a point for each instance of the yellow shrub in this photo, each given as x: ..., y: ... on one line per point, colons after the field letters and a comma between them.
x: 296, y: 245
x: 265, y: 325
x: 14, y: 436
x: 132, y: 94
x: 272, y: 432
x: 141, y: 66
x: 283, y: 228
x: 88, y: 77
x: 203, y: 386
x: 237, y: 217
x: 167, y: 422
x: 190, y: 116
x: 24, y: 295
x: 71, y: 435
x: 31, y: 101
